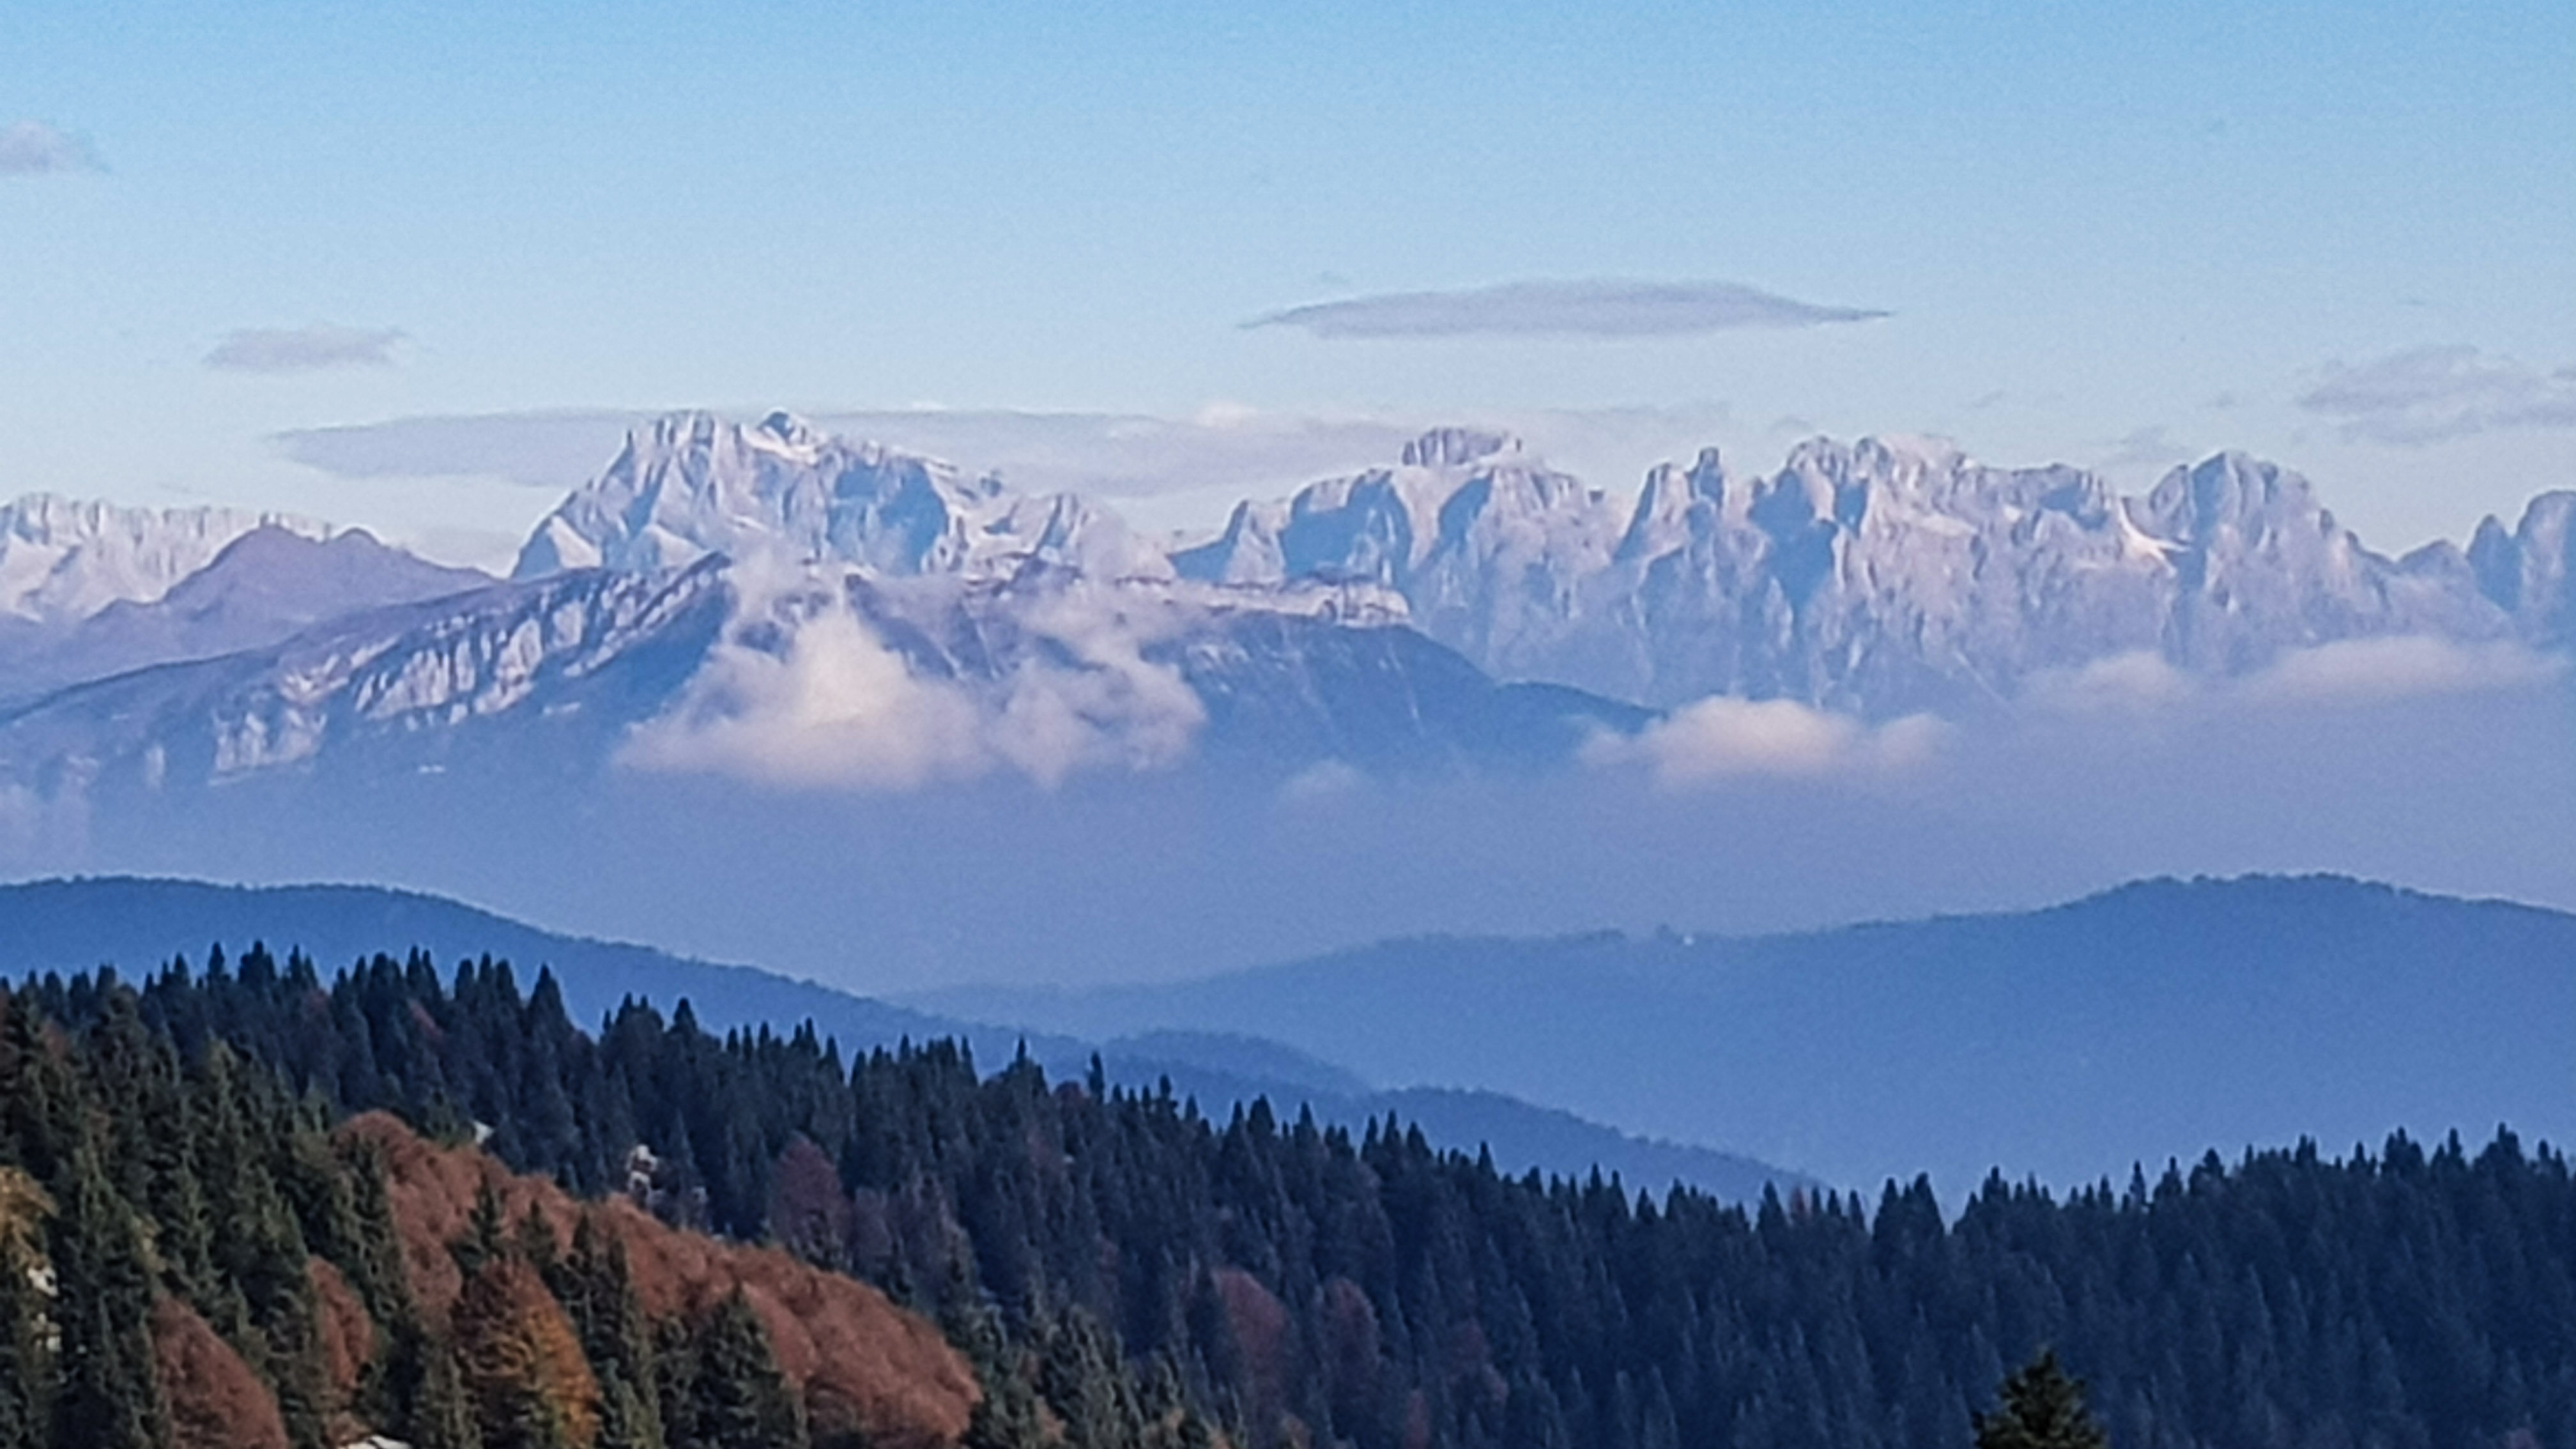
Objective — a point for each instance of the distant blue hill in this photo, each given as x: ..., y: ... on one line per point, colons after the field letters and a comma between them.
x: 2161, y: 1019
x: 137, y: 925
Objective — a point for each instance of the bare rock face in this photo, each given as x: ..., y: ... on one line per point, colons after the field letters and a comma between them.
x: 1879, y: 577
x: 2531, y: 572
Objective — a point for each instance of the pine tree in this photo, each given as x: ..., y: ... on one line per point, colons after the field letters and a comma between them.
x: 2042, y: 1408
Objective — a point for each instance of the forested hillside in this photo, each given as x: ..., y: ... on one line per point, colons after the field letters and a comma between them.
x: 1307, y: 1286
x: 190, y: 1256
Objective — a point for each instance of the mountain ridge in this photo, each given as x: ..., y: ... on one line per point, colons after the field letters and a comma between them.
x: 135, y: 923
x: 2152, y: 1019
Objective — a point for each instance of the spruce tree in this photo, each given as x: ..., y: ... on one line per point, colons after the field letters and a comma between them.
x: 2042, y: 1408
x: 26, y: 1368
x: 441, y: 1416
x: 110, y: 1388
x: 741, y: 1400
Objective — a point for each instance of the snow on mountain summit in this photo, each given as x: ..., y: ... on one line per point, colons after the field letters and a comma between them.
x: 1882, y: 576
x: 688, y: 485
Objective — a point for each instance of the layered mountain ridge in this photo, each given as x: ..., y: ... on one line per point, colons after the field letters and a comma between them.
x: 767, y: 599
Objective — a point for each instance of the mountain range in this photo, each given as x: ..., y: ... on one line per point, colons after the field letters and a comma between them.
x: 764, y: 600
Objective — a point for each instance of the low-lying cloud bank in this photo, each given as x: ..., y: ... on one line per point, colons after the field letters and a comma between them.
x: 2343, y: 674
x: 1719, y: 739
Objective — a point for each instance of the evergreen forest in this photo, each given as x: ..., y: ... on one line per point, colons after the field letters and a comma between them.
x: 1119, y: 1268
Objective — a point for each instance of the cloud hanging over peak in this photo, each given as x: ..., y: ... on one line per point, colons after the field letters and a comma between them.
x: 32, y: 148
x: 2432, y: 394
x: 321, y: 347
x: 1595, y: 308
x: 803, y: 694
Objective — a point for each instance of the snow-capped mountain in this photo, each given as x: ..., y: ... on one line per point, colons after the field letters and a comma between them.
x: 62, y: 560
x: 263, y: 588
x: 693, y: 484
x: 1880, y: 577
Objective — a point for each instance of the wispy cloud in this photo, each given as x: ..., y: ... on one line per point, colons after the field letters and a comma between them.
x: 32, y: 148
x: 1600, y: 308
x: 2429, y: 394
x: 318, y: 348
x: 1157, y: 470
x: 2149, y: 446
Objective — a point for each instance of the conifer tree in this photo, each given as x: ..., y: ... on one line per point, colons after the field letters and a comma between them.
x: 110, y: 1390
x: 26, y: 1368
x: 740, y: 1398
x: 521, y: 1364
x: 598, y: 1290
x: 440, y: 1416
x: 2042, y: 1408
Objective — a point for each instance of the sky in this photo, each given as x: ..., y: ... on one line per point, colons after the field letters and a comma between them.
x: 2342, y: 236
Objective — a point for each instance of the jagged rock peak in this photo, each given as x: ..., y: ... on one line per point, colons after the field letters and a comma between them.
x: 1459, y: 448
x: 2232, y: 490
x: 692, y: 484
x: 790, y: 431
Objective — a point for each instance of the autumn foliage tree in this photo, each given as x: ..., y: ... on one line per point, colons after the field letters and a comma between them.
x: 521, y: 1361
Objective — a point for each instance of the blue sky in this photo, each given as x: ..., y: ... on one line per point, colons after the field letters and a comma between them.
x: 2343, y: 236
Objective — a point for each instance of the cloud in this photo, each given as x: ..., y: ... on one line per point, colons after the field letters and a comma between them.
x: 835, y: 708
x: 2375, y: 671
x: 2429, y: 394
x: 304, y: 349
x: 802, y: 693
x: 2147, y: 447
x: 32, y: 148
x: 1159, y: 472
x: 2344, y: 674
x: 1099, y: 454
x: 2141, y: 680
x: 1720, y: 739
x: 1606, y: 308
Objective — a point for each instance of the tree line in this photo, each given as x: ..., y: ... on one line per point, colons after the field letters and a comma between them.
x: 1124, y: 1267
